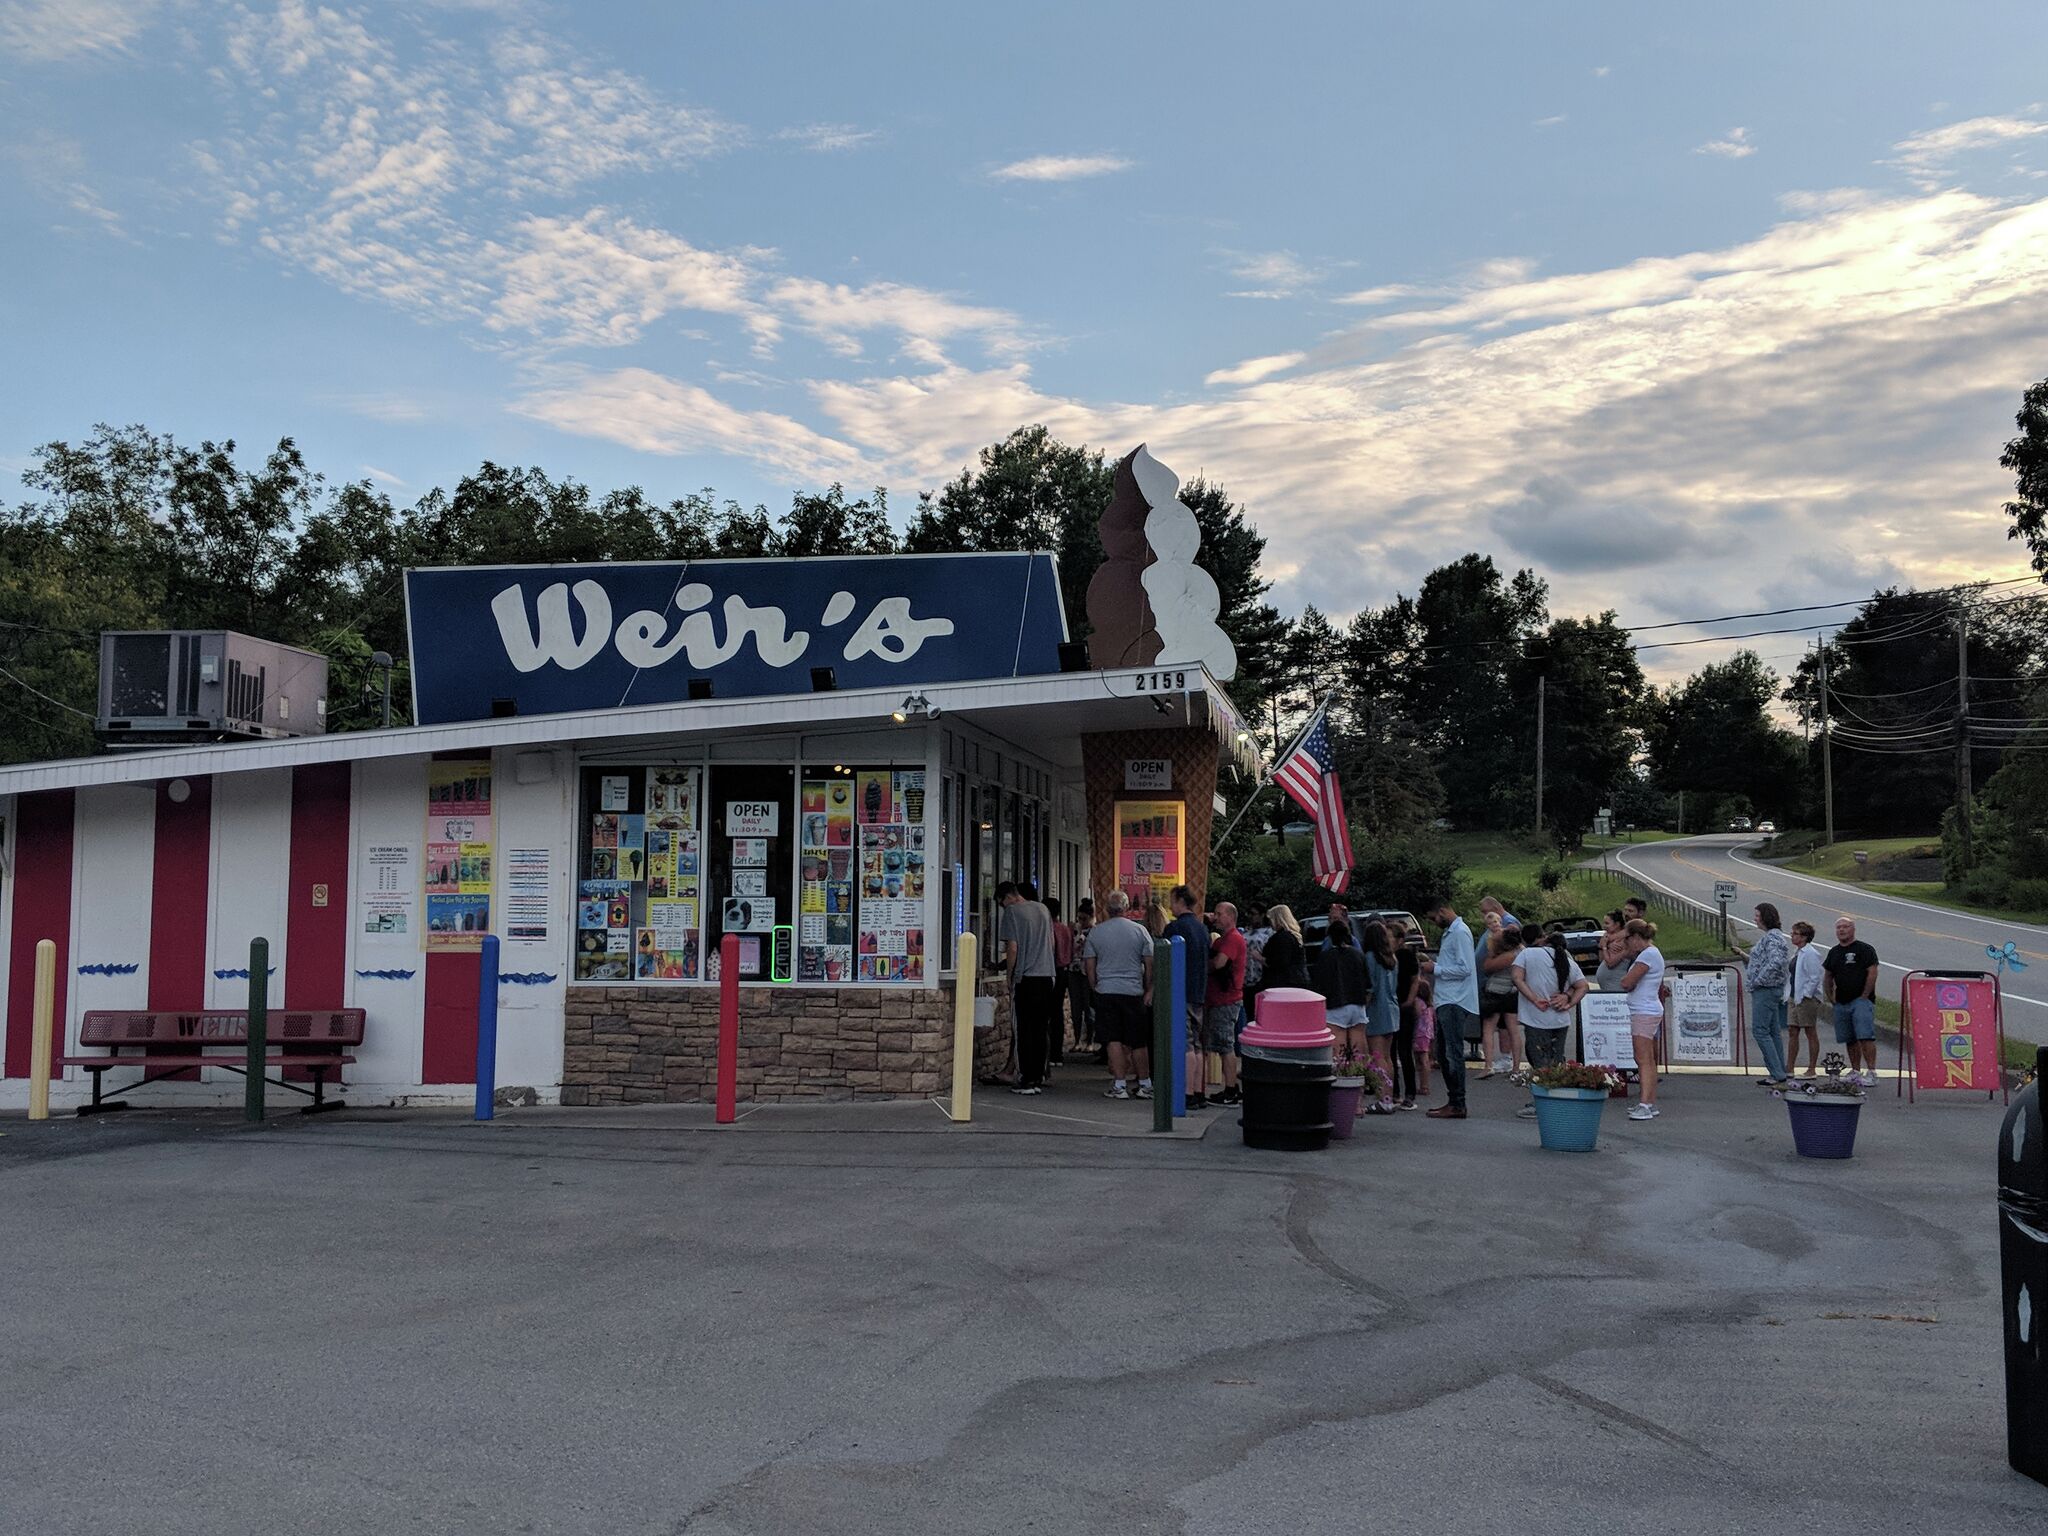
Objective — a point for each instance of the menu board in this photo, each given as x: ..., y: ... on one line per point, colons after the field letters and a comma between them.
x: 889, y: 815
x: 459, y: 846
x: 1149, y: 851
x: 824, y: 923
x: 640, y: 900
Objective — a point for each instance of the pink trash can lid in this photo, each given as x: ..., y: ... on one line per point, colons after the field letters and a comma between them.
x: 1290, y: 1019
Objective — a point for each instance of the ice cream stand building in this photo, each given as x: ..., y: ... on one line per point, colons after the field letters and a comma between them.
x: 615, y: 766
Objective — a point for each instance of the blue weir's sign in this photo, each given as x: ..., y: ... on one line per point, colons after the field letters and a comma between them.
x: 574, y: 637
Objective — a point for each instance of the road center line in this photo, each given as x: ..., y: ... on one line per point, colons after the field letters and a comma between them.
x: 1647, y: 879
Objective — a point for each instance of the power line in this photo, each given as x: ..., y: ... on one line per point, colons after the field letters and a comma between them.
x: 1849, y: 602
x: 83, y: 634
x: 31, y: 687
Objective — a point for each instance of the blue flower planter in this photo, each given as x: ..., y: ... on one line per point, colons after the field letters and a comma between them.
x: 1568, y: 1119
x: 1823, y: 1125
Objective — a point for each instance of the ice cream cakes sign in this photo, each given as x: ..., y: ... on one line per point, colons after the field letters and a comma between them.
x: 550, y: 639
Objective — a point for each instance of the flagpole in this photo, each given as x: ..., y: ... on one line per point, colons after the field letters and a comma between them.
x: 1267, y: 777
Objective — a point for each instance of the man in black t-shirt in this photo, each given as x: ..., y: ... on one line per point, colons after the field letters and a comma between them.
x: 1851, y: 968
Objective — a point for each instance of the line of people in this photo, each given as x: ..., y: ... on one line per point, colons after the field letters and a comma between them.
x: 1790, y: 981
x: 1390, y: 1004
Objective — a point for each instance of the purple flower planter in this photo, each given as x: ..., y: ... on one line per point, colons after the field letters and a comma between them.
x: 1823, y: 1125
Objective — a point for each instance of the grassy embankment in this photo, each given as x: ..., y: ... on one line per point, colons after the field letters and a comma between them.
x: 1802, y: 851
x: 1839, y: 863
x: 1511, y: 869
x: 1497, y: 864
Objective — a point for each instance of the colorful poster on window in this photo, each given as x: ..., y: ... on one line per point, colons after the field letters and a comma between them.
x: 459, y: 851
x: 889, y: 939
x: 640, y: 898
x: 1150, y: 854
x: 1955, y: 1032
x: 825, y: 882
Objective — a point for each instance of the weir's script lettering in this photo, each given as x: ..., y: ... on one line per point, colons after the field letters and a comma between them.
x: 645, y: 639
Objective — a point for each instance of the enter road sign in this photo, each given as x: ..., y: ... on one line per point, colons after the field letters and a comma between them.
x: 1724, y: 892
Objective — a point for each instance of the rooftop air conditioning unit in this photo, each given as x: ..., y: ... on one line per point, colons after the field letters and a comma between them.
x: 166, y: 686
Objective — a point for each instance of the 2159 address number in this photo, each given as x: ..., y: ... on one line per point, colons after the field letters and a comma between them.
x: 1161, y: 682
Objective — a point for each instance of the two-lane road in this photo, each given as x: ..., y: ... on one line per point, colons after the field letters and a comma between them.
x: 1908, y: 935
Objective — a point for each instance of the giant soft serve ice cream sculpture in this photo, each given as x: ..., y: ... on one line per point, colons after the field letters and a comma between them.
x: 1149, y: 604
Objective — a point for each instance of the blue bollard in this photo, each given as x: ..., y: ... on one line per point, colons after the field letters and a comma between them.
x: 1179, y: 946
x: 487, y: 1028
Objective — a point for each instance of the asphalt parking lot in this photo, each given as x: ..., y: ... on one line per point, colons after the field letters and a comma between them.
x: 860, y: 1320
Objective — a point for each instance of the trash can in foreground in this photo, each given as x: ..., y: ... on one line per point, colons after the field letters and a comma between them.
x: 2023, y: 1264
x: 1284, y: 1072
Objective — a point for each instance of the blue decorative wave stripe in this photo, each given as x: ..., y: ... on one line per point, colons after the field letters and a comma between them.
x: 525, y: 978
x: 387, y: 975
x: 108, y: 968
x: 241, y: 975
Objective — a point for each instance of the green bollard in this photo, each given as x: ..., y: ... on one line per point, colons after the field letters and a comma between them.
x: 259, y: 1030
x: 1162, y: 1036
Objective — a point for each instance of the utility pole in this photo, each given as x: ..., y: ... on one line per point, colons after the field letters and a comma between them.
x: 1541, y: 688
x: 1963, y: 837
x: 1827, y: 756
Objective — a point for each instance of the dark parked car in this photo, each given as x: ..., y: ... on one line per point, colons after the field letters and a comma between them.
x: 1582, y: 937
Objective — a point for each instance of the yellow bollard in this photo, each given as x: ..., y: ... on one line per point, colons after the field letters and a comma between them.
x: 964, y: 971
x: 39, y: 1032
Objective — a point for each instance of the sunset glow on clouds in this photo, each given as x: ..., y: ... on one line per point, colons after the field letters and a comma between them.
x: 1806, y: 406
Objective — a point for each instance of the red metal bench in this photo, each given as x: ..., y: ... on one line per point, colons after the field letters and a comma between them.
x: 315, y: 1041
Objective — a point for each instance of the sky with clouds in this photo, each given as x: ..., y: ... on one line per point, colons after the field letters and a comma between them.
x: 1691, y: 312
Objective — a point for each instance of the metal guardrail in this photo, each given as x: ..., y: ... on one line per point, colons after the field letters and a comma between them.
x: 1699, y: 914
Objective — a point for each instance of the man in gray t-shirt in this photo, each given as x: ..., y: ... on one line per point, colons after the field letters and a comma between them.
x: 1118, y: 956
x: 1024, y: 932
x: 1024, y: 929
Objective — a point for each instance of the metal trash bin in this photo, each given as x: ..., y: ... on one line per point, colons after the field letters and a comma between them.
x: 1285, y: 1073
x: 2023, y: 1265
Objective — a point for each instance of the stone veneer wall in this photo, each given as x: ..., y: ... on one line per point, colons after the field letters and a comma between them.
x: 652, y: 1045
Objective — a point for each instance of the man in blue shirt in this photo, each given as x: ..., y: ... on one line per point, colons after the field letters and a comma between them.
x: 1187, y: 925
x: 1456, y: 980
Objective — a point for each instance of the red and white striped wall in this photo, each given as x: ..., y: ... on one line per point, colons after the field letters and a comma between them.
x: 153, y: 892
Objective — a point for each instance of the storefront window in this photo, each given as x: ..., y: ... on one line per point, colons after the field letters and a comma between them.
x: 639, y: 866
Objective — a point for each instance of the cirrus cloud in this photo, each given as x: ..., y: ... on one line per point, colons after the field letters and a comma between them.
x: 1060, y: 168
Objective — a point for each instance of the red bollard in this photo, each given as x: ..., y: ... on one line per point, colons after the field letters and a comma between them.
x: 728, y: 1028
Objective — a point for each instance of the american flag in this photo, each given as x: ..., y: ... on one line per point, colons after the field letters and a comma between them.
x: 1309, y: 775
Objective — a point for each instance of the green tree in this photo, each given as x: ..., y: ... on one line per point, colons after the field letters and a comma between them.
x: 832, y: 525
x: 1593, y: 696
x: 1891, y: 704
x: 1713, y: 735
x: 1384, y: 761
x: 2027, y: 457
x: 1029, y: 491
x: 1472, y: 629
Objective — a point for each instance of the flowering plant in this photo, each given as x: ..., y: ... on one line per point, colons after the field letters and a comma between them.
x: 1348, y: 1065
x: 1573, y: 1074
x: 1834, y: 1086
